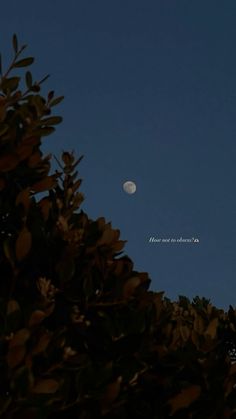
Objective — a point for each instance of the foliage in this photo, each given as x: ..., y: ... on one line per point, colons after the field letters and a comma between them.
x: 80, y: 334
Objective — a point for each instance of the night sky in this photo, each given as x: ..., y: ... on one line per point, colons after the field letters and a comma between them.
x: 150, y: 96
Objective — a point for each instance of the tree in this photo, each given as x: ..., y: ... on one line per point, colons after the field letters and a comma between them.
x: 80, y: 334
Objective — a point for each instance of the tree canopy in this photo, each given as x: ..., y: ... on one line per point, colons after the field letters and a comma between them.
x: 80, y: 332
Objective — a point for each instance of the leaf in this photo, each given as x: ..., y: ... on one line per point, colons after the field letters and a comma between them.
x: 184, y: 332
x: 158, y: 301
x: 67, y: 158
x: 42, y: 132
x: 43, y: 185
x: 78, y: 199
x: 8, y: 162
x: 198, y: 324
x: 185, y: 398
x: 56, y: 101
x: 24, y: 151
x: 232, y: 370
x: 194, y: 338
x: 130, y: 286
x: 23, y: 244
x: 1, y: 65
x: 209, y: 309
x: 46, y: 387
x: 53, y: 120
x: 10, y: 84
x: 32, y: 140
x: 8, y: 251
x: 118, y: 245
x: 15, y: 356
x: 108, y: 237
x: 111, y: 393
x: 232, y: 327
x: 45, y: 206
x: 76, y: 185
x: 3, y: 113
x: 66, y: 268
x: 15, y: 43
x: 42, y: 343
x: 212, y: 328
x: 12, y: 306
x: 37, y: 317
x: 28, y: 79
x: 50, y: 95
x: 24, y: 198
x: 35, y: 87
x: 34, y: 159
x: 3, y: 127
x: 20, y: 338
x: 24, y: 63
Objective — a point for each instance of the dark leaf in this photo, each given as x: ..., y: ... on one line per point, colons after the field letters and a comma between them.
x: 23, y: 198
x: 19, y: 338
x: 88, y: 286
x: 131, y: 285
x: 37, y: 317
x: 23, y: 244
x: 67, y: 158
x: 56, y: 100
x: 23, y: 379
x: 10, y: 84
x: 39, y: 103
x: 8, y: 162
x: 212, y: 328
x: 15, y: 356
x: 45, y: 206
x: 28, y: 79
x: 47, y: 183
x: 50, y: 95
x: 66, y: 269
x: 34, y: 159
x: 52, y: 120
x: 3, y: 128
x: 44, y: 131
x: 24, y: 63
x: 111, y: 393
x: 14, y: 321
x: 45, y: 386
x: 1, y: 65
x: 42, y: 343
x: 35, y: 88
x: 184, y: 398
x: 12, y: 306
x: 8, y: 251
x: 24, y: 151
x: 15, y: 43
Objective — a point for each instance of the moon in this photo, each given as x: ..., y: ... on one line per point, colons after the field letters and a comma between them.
x: 129, y: 187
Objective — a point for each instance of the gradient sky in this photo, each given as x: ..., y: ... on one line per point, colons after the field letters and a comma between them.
x: 150, y: 96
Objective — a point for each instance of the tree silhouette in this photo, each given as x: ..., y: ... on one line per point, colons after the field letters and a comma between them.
x: 80, y: 332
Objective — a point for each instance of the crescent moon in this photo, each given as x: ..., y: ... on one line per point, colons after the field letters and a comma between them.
x: 129, y: 187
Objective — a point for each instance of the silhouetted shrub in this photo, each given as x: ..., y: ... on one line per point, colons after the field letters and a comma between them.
x: 80, y: 334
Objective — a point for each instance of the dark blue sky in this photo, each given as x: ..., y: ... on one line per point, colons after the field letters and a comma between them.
x: 150, y: 95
